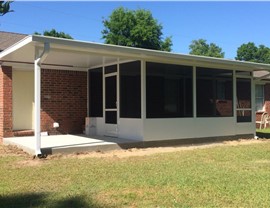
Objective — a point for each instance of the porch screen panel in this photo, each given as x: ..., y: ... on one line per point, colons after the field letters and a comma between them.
x: 214, y: 92
x: 130, y: 90
x: 95, y: 93
x: 243, y: 93
x: 168, y: 91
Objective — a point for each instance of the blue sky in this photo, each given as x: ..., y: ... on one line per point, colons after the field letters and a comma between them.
x: 228, y: 24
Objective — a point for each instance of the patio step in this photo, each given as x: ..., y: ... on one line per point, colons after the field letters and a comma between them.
x: 21, y: 133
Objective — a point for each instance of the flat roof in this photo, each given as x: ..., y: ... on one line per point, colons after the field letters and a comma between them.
x: 82, y: 55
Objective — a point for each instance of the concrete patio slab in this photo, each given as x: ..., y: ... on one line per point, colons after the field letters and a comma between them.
x: 67, y: 143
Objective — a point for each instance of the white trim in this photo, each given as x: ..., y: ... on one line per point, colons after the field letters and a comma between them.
x: 16, y: 46
x: 142, y: 53
x: 234, y: 97
x: 76, y: 46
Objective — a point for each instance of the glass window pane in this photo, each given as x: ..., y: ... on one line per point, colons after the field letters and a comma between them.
x: 130, y: 90
x: 259, y: 90
x: 259, y: 104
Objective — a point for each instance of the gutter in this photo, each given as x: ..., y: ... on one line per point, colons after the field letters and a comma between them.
x: 38, y: 61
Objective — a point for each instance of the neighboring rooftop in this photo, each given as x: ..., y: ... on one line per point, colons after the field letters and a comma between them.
x: 8, y: 39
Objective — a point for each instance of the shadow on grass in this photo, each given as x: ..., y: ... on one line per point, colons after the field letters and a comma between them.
x: 43, y: 200
x: 262, y: 134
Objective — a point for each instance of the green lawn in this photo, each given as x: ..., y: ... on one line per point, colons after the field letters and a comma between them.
x: 224, y: 176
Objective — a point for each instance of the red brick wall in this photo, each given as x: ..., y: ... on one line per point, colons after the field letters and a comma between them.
x: 5, y: 102
x: 63, y: 100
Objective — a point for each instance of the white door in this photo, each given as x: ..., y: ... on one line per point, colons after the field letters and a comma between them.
x: 111, y: 105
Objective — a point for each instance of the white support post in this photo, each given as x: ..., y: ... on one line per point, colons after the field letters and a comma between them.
x: 253, y: 104
x: 234, y: 97
x: 39, y: 58
x: 37, y: 106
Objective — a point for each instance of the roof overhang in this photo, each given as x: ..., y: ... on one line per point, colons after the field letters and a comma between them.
x: 81, y: 55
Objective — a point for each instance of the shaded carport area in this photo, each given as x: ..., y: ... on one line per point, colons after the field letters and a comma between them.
x: 35, y: 53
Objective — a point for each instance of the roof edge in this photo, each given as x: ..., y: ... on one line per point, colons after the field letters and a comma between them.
x: 16, y: 46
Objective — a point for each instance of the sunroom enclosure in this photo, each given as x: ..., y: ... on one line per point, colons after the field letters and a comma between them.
x: 149, y: 100
x: 133, y: 93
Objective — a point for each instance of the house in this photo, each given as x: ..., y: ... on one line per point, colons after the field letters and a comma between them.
x: 65, y: 86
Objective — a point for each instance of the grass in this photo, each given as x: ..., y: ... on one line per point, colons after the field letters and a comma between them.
x: 226, y: 176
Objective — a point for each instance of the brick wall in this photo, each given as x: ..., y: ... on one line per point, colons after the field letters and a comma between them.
x: 63, y: 100
x: 5, y: 102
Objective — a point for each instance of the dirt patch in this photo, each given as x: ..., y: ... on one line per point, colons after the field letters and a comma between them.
x: 10, y: 150
x: 134, y: 152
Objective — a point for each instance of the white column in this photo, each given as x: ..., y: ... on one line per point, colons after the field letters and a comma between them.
x: 39, y: 58
x: 37, y: 105
x: 253, y: 104
x: 234, y: 96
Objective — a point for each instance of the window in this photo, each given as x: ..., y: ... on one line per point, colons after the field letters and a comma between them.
x: 259, y: 93
x: 130, y: 90
x: 243, y: 92
x: 168, y: 91
x: 214, y: 92
x: 95, y: 93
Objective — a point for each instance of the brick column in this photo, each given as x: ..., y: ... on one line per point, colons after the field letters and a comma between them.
x: 5, y: 102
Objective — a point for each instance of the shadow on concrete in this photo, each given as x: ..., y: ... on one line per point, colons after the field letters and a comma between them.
x: 43, y: 200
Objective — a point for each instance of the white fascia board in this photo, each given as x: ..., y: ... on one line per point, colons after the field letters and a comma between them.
x: 116, y: 50
x: 16, y: 46
x: 138, y: 53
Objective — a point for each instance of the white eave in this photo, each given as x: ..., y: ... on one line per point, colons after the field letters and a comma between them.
x: 81, y: 55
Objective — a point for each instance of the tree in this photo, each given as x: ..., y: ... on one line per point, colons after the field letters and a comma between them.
x: 250, y: 52
x: 54, y: 33
x: 134, y: 28
x: 5, y: 7
x: 202, y: 48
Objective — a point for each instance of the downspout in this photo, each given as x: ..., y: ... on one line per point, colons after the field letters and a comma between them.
x: 39, y: 58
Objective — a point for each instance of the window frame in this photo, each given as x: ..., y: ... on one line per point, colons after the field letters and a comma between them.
x: 258, y: 97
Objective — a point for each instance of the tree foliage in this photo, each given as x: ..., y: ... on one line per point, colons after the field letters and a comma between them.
x: 54, y: 33
x: 135, y: 28
x: 5, y: 7
x: 250, y: 52
x: 202, y: 48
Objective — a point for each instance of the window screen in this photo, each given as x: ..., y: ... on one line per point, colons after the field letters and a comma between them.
x: 214, y: 92
x: 168, y: 91
x: 130, y: 90
x: 95, y: 93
